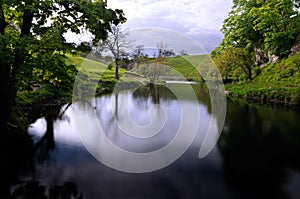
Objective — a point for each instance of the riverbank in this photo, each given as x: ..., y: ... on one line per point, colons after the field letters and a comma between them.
x: 274, y: 95
x: 277, y: 83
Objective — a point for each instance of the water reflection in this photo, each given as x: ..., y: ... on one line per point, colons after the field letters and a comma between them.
x: 18, y: 176
x: 33, y: 189
x: 139, y: 139
x: 46, y: 143
x: 256, y: 156
x: 17, y: 157
x: 260, y: 146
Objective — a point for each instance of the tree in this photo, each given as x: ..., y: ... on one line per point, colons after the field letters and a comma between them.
x: 257, y: 32
x: 279, y: 22
x: 117, y: 44
x: 238, y: 27
x: 154, y: 69
x: 32, y: 43
x: 163, y: 51
x: 183, y: 52
x: 233, y: 59
x: 271, y: 25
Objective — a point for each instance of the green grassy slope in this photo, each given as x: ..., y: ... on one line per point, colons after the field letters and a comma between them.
x: 189, y: 66
x: 192, y: 67
x: 95, y: 70
x: 185, y: 66
x: 277, y: 83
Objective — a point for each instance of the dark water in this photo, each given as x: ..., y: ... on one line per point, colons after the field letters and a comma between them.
x: 256, y: 156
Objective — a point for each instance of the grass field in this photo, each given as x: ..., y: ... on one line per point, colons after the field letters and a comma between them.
x: 93, y: 69
x: 184, y: 65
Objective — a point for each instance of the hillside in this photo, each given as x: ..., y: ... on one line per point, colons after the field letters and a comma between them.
x: 94, y: 71
x: 277, y: 83
x: 185, y: 65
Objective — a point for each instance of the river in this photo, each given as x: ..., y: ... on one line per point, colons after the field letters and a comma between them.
x: 255, y: 156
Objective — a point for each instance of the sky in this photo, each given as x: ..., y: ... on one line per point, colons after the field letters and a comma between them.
x: 200, y: 20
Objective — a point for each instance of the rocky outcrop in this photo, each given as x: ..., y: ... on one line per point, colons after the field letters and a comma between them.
x: 263, y: 57
x: 272, y: 58
x: 295, y: 49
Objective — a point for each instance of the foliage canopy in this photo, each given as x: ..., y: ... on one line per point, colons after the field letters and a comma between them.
x: 265, y: 28
x: 33, y: 46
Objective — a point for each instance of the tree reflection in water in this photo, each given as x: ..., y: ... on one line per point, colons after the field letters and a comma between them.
x: 17, y: 157
x: 34, y: 190
x: 18, y: 152
x: 154, y: 92
x: 256, y: 152
x: 258, y: 146
x: 52, y: 113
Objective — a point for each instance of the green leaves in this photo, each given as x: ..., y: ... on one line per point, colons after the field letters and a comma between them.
x: 256, y: 32
x: 270, y: 24
x: 279, y: 23
x: 32, y: 43
x: 234, y: 62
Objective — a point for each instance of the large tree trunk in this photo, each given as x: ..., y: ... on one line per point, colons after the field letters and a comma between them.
x: 49, y: 135
x: 3, y: 23
x: 8, y: 71
x: 4, y: 99
x: 249, y: 73
x: 25, y: 32
x: 4, y: 78
x: 117, y: 69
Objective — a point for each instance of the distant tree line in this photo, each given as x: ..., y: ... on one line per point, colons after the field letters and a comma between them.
x: 124, y: 54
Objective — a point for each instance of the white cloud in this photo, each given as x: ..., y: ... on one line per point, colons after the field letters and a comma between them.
x: 199, y: 19
x: 151, y: 37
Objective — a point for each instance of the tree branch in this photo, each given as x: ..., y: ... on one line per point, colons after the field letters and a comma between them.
x: 3, y: 23
x: 27, y: 22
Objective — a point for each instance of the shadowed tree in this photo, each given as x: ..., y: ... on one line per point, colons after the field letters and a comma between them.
x: 235, y: 59
x: 33, y: 47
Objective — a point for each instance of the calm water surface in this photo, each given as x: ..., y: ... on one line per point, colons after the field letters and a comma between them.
x: 257, y: 155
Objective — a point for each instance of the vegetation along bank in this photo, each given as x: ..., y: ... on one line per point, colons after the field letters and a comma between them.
x: 259, y: 56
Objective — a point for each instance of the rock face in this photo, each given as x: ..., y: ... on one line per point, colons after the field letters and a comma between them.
x: 262, y: 57
x: 295, y: 49
x: 272, y: 58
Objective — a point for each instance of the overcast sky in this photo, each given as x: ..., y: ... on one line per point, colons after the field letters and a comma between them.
x: 199, y: 19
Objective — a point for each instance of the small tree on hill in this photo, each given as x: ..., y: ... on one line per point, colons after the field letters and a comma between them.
x: 117, y: 44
